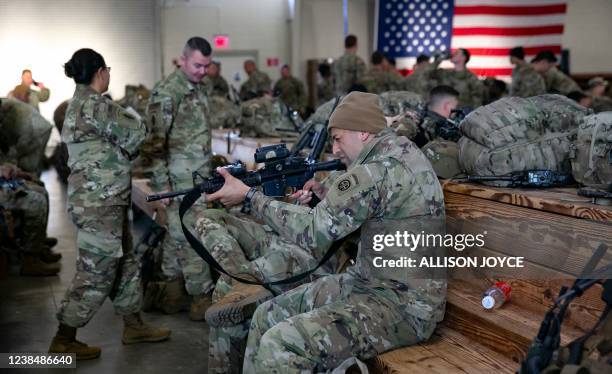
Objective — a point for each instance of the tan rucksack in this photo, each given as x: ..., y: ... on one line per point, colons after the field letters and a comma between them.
x: 591, y: 153
x: 516, y: 134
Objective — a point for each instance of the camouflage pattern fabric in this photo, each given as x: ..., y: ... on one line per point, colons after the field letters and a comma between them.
x: 591, y: 152
x: 223, y: 113
x: 136, y: 97
x: 25, y: 134
x: 101, y: 138
x: 257, y: 84
x: 378, y: 81
x: 326, y: 329
x: 420, y: 82
x: 325, y: 91
x: 33, y: 201
x: 526, y: 82
x: 347, y: 70
x: 216, y: 86
x: 180, y: 143
x: 265, y: 117
x: 291, y: 92
x: 29, y: 95
x: 558, y: 82
x: 470, y: 88
x: 405, y: 107
x: 515, y: 134
x: 102, y: 232
x: 602, y: 104
x: 444, y: 157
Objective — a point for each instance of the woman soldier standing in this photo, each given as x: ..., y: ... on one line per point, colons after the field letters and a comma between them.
x: 102, y: 138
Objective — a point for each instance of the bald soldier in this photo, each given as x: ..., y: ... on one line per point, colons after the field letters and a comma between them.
x: 389, y: 186
x: 291, y: 90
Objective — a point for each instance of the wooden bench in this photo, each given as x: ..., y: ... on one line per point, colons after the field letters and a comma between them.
x: 537, y: 224
x: 227, y: 143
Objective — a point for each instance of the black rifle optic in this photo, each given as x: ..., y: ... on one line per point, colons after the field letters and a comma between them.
x: 528, y: 178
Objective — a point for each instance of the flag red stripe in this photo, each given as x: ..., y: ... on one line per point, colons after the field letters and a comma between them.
x: 556, y: 49
x: 510, y: 10
x: 490, y: 72
x: 508, y: 31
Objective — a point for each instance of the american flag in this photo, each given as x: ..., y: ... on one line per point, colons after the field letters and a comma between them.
x: 487, y: 28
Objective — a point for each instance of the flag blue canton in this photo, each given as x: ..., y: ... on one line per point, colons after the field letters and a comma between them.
x: 408, y: 28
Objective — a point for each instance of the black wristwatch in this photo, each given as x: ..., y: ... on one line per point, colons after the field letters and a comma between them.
x: 249, y: 195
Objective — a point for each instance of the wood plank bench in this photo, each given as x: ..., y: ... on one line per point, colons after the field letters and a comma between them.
x: 543, y: 226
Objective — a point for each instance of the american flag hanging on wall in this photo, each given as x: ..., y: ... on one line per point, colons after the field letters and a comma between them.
x: 487, y: 28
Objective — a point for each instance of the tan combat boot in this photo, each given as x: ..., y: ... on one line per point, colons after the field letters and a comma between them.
x: 238, y: 305
x: 199, y: 305
x: 174, y: 298
x: 136, y: 331
x: 32, y: 265
x: 65, y: 342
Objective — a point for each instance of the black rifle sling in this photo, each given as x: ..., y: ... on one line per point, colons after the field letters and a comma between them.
x: 187, y: 203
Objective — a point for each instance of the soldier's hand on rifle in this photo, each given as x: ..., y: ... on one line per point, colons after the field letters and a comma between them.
x: 305, y: 194
x: 163, y: 190
x: 233, y: 191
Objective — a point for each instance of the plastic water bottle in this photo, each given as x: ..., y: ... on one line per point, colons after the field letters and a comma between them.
x: 496, y: 296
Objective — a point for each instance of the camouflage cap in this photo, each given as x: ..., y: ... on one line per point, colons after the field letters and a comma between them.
x: 358, y: 111
x: 597, y: 81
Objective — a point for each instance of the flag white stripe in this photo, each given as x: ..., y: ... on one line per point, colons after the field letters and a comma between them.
x: 508, y: 2
x: 507, y: 21
x: 504, y: 41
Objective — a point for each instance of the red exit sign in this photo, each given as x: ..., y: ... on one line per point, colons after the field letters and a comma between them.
x: 221, y: 41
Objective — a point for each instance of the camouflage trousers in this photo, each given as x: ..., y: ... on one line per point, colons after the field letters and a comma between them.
x: 32, y: 201
x: 178, y: 258
x: 317, y: 326
x: 106, y: 266
x: 244, y: 247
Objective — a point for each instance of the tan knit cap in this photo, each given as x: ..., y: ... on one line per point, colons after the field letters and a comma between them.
x: 358, y: 111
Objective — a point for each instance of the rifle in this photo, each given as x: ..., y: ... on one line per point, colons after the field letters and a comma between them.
x: 528, y: 178
x: 280, y: 172
x: 548, y: 339
x: 314, y: 137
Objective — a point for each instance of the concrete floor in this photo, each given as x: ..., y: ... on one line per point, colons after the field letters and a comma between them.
x: 28, y: 323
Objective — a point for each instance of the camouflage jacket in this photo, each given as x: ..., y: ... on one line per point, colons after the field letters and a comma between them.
x: 558, y: 82
x: 526, y: 82
x: 347, y: 71
x: 390, y: 186
x: 180, y: 141
x: 292, y: 92
x: 102, y: 138
x: 216, y: 86
x: 265, y: 116
x: 258, y: 82
x: 378, y: 81
x: 325, y: 91
x: 470, y: 88
x: 602, y: 104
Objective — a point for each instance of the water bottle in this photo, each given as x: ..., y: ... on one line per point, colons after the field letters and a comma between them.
x: 496, y: 296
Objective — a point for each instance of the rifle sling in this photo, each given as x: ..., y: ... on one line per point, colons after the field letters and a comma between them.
x: 187, y: 203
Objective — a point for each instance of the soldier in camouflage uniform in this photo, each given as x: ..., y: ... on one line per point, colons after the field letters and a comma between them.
x: 102, y: 138
x: 291, y: 90
x: 136, y: 97
x: 470, y: 88
x: 367, y: 310
x: 325, y: 88
x: 25, y: 93
x: 556, y: 81
x: 377, y: 80
x: 216, y: 84
x: 258, y: 83
x: 349, y: 68
x: 180, y: 143
x: 419, y: 81
x: 526, y: 81
x: 596, y: 88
